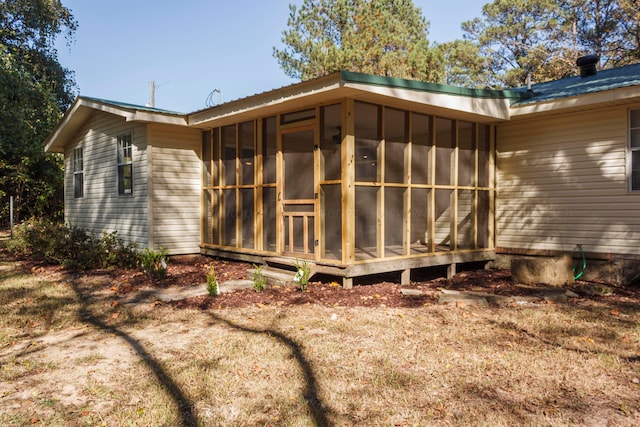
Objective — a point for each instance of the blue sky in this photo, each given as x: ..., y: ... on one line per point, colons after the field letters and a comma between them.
x: 191, y: 47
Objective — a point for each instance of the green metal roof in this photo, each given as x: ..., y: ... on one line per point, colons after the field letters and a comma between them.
x: 132, y: 106
x: 609, y: 79
x: 416, y: 85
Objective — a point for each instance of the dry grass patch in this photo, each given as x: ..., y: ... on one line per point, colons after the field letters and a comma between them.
x: 69, y: 355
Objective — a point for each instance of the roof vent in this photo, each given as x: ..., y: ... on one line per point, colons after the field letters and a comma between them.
x: 587, y: 65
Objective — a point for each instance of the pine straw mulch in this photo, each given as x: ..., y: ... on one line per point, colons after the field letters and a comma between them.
x: 378, y: 291
x: 374, y: 291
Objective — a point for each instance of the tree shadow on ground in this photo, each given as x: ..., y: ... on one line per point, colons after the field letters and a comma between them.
x: 550, y: 336
x: 180, y: 399
x: 317, y: 408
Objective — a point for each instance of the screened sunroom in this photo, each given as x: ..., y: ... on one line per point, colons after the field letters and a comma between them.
x: 349, y: 180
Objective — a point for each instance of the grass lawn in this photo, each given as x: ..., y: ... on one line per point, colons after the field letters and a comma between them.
x: 71, y: 354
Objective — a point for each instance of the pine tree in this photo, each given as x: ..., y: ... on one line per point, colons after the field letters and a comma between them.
x: 382, y: 37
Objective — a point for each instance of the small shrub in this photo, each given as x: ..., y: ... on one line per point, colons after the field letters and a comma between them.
x: 259, y: 281
x: 154, y: 263
x: 117, y: 252
x: 71, y: 247
x: 303, y: 274
x: 40, y: 239
x: 78, y: 250
x: 50, y: 241
x: 212, y: 282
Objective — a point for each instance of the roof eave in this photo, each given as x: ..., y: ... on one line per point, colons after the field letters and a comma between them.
x: 482, y: 105
x: 295, y: 96
x: 83, y: 107
x: 587, y: 101
x: 453, y: 105
x: 70, y: 120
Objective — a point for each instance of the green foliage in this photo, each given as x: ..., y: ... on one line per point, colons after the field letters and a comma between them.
x: 154, y: 263
x: 464, y: 66
x: 303, y: 274
x: 212, y: 282
x: 543, y: 39
x: 71, y: 247
x: 382, y: 37
x: 34, y: 91
x: 517, y: 37
x: 631, y: 30
x: 512, y: 40
x: 116, y: 252
x: 259, y: 281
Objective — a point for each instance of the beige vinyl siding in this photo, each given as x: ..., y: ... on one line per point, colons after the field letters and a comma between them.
x: 561, y: 181
x: 102, y: 208
x: 176, y: 176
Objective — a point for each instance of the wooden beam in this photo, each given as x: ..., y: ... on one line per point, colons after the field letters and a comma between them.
x: 380, y: 222
x: 280, y: 243
x: 259, y: 180
x: 380, y: 196
x: 219, y: 171
x: 492, y: 183
x: 237, y: 190
x: 316, y: 188
x: 453, y: 200
x: 406, y: 226
x: 405, y: 276
x: 347, y: 153
x: 432, y: 260
x: 476, y: 163
x: 431, y: 226
x: 451, y: 270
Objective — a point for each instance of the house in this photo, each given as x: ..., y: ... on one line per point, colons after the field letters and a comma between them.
x: 131, y: 169
x: 363, y: 174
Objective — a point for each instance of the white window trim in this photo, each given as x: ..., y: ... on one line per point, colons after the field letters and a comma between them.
x: 630, y: 151
x: 119, y: 163
x: 78, y: 170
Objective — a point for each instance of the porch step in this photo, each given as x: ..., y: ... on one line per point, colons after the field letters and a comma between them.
x: 276, y: 276
x: 288, y: 265
x: 284, y: 263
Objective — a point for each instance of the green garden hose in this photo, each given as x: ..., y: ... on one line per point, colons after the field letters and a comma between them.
x: 584, y: 265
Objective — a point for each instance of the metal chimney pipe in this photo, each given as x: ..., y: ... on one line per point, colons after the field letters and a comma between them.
x: 587, y: 65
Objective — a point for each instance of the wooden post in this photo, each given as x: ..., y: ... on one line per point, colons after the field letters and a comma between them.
x: 347, y: 282
x: 476, y: 166
x: 280, y: 226
x: 405, y: 277
x: 492, y: 184
x: 453, y: 200
x: 407, y: 208
x: 348, y: 186
x: 451, y: 270
x: 11, y: 215
x: 432, y: 181
x: 380, y: 180
x: 258, y: 184
x: 317, y: 222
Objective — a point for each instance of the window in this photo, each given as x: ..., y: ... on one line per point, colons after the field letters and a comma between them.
x: 634, y: 150
x: 78, y: 173
x: 125, y: 164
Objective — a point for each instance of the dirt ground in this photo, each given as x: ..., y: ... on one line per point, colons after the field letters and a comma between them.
x: 74, y: 352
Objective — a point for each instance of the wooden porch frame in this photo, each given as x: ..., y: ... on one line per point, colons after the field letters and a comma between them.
x: 349, y: 263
